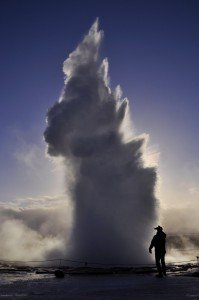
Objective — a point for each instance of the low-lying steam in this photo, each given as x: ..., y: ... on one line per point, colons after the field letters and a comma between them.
x: 113, y: 192
x: 34, y: 233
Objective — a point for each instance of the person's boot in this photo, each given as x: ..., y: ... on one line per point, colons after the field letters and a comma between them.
x: 159, y: 275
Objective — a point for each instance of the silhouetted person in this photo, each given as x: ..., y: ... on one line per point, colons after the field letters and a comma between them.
x: 158, y: 242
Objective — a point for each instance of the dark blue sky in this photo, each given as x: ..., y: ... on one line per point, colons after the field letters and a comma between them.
x: 153, y: 50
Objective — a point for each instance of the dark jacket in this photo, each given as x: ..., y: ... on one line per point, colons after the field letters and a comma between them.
x: 159, y: 241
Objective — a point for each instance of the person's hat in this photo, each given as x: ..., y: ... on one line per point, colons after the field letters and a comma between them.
x: 158, y: 228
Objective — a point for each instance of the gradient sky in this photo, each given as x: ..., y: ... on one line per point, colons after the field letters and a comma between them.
x: 153, y: 51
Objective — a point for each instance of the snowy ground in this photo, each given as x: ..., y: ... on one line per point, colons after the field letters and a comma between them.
x: 91, y: 287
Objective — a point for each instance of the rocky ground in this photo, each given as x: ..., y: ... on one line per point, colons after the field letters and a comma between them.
x: 87, y: 283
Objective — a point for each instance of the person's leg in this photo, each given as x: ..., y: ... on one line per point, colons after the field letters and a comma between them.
x: 163, y: 264
x: 157, y: 260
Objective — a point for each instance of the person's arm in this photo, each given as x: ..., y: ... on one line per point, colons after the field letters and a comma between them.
x: 151, y: 245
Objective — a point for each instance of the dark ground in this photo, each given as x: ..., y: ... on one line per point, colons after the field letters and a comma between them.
x: 100, y: 283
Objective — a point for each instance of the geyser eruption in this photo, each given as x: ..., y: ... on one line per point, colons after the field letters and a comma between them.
x: 113, y: 192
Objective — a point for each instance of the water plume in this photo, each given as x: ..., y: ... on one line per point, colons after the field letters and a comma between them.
x: 112, y: 191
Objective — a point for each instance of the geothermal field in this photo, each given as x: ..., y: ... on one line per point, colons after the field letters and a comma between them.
x: 182, y: 283
x: 99, y: 241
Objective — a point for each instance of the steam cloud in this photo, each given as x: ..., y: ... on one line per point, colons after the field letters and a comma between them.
x: 113, y: 192
x: 34, y: 233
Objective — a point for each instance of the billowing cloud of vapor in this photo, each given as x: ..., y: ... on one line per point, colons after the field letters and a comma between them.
x: 113, y: 192
x: 36, y: 232
x: 181, y: 224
